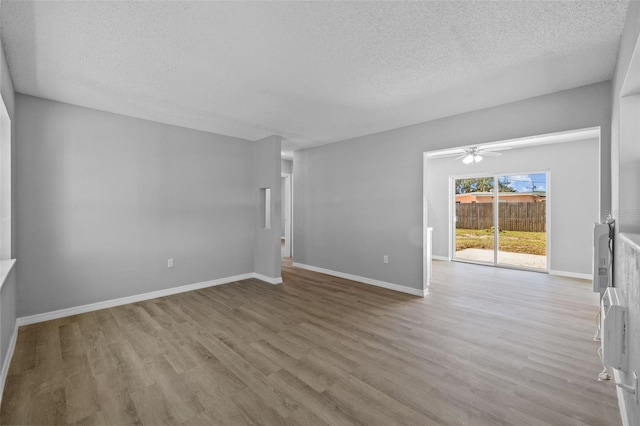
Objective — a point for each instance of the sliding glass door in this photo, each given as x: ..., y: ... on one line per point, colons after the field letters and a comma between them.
x: 522, y: 216
x: 474, y: 238
x: 501, y: 220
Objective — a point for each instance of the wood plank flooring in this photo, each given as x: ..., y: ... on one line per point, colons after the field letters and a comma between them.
x: 487, y: 346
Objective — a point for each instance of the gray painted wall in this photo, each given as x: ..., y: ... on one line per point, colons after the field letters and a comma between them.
x: 573, y: 202
x: 627, y: 259
x: 267, y: 175
x: 360, y: 199
x: 104, y: 200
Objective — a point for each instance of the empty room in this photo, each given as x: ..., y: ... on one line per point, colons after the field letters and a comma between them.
x: 319, y: 213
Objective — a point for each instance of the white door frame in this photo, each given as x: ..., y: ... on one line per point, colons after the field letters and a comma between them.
x: 288, y: 231
x: 495, y: 175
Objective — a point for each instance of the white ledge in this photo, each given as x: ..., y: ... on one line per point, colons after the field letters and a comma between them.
x: 633, y: 239
x: 5, y: 269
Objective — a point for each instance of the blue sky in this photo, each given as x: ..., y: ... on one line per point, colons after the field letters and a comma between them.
x: 525, y: 183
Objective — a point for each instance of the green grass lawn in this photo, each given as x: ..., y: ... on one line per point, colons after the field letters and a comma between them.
x: 510, y: 241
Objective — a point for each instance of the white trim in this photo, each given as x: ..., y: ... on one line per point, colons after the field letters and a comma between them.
x: 427, y: 232
x: 364, y: 280
x: 571, y: 274
x: 5, y: 268
x: 631, y: 83
x: 267, y: 279
x: 47, y: 316
x: 6, y: 251
x: 444, y: 258
x: 7, y: 360
x: 622, y: 403
x: 526, y: 141
x: 549, y: 203
x: 632, y: 239
x: 32, y: 319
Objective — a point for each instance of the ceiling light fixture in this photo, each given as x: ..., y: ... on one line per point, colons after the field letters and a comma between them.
x: 471, y: 158
x: 475, y: 154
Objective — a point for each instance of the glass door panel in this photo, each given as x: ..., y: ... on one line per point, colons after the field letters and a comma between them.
x: 522, y: 218
x: 474, y: 238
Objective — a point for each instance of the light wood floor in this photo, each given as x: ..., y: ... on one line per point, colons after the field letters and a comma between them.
x: 487, y: 347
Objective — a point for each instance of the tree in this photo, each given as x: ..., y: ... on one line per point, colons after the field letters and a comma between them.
x: 482, y: 184
x: 504, y: 185
x: 465, y: 186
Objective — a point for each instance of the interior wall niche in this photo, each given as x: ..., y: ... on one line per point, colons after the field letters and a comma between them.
x: 265, y: 208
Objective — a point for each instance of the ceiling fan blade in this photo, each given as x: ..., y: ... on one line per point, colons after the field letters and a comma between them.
x: 490, y: 153
x: 462, y: 156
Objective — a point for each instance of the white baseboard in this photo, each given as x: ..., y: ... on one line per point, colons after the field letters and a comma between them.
x: 622, y: 404
x: 364, y: 280
x: 571, y: 274
x: 436, y: 257
x: 47, y: 316
x: 267, y: 279
x: 7, y: 360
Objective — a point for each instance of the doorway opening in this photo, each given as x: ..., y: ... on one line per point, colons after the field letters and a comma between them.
x: 285, y: 239
x: 501, y: 219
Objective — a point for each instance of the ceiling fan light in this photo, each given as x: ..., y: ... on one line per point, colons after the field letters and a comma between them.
x: 477, y: 158
x: 468, y: 159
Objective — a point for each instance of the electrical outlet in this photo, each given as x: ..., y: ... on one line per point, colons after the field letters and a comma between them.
x: 385, y: 259
x: 170, y: 263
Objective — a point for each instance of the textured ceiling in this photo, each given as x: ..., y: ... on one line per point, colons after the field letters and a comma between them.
x: 313, y: 72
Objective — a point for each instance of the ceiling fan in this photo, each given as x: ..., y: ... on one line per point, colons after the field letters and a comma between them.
x: 475, y: 154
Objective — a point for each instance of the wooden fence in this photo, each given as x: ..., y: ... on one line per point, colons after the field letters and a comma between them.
x: 530, y: 217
